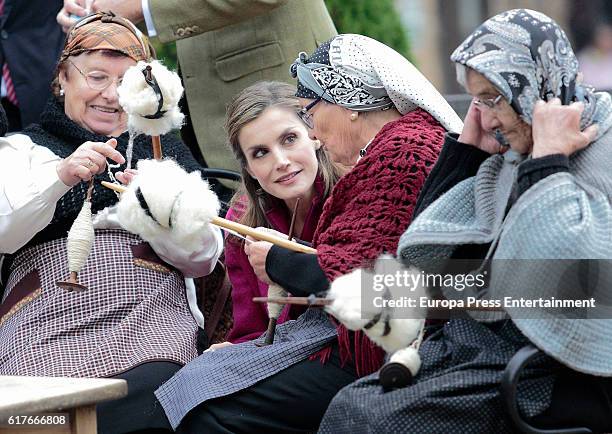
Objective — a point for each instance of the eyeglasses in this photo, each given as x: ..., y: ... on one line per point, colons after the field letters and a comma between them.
x: 489, y: 102
x: 305, y: 114
x: 98, y: 80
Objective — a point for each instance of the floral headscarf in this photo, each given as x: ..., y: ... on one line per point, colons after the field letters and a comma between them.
x: 527, y: 57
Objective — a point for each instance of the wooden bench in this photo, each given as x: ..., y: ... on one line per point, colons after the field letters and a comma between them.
x: 54, y: 405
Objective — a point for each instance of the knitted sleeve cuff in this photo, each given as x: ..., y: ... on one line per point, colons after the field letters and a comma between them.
x: 298, y: 273
x: 536, y: 169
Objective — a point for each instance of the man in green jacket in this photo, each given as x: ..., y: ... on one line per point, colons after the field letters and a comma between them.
x: 223, y: 46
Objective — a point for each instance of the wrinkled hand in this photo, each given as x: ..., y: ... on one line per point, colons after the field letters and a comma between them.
x: 473, y: 134
x: 130, y: 9
x: 127, y: 176
x: 218, y: 346
x: 556, y: 129
x: 88, y: 160
x: 256, y: 252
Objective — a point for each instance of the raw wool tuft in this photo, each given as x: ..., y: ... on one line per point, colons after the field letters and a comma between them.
x: 346, y: 292
x: 138, y: 99
x: 181, y: 203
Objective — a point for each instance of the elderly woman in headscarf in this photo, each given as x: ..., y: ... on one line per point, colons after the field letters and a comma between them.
x: 134, y: 320
x: 530, y: 210
x: 377, y: 115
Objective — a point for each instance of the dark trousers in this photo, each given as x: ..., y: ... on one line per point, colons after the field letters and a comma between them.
x: 292, y: 401
x: 13, y: 115
x: 578, y: 400
x: 139, y: 411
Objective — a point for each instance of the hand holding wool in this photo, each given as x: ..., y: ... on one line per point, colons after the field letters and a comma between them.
x: 165, y: 201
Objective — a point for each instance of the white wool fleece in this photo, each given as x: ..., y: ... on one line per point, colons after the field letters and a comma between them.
x: 181, y: 203
x: 138, y: 99
x: 346, y: 293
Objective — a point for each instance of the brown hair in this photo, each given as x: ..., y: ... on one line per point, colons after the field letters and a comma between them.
x: 247, y: 106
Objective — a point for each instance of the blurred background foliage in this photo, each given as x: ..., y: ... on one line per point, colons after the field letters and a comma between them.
x: 166, y: 53
x: 377, y: 19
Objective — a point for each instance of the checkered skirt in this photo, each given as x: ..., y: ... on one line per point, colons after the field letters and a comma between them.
x: 457, y: 389
x: 134, y: 311
x: 237, y: 367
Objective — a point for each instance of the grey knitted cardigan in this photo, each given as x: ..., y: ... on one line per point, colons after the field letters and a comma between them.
x: 567, y: 215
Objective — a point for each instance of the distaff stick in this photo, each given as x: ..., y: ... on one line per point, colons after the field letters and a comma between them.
x: 240, y: 228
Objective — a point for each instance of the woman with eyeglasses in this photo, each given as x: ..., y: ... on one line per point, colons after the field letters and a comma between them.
x: 378, y: 116
x: 532, y: 204
x: 134, y: 321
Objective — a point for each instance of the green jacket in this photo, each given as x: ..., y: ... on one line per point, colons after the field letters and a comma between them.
x: 224, y: 46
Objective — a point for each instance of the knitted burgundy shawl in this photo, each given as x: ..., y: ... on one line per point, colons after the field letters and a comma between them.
x: 371, y: 206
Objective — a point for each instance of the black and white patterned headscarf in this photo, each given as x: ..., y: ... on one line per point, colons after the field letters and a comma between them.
x: 362, y: 74
x: 527, y: 57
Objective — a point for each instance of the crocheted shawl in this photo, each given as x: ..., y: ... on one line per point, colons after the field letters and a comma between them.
x: 63, y: 136
x: 567, y: 215
x: 372, y: 205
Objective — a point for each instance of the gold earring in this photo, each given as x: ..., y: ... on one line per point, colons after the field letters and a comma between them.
x: 354, y: 116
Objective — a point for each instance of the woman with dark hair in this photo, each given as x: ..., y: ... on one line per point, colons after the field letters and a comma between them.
x: 379, y: 117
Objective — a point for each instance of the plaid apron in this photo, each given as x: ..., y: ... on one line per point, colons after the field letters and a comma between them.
x: 135, y: 311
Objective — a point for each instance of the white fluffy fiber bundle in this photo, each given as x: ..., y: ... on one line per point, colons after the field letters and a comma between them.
x: 346, y: 292
x: 138, y: 99
x: 181, y: 202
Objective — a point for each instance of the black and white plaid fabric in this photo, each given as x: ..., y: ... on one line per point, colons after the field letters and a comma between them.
x: 237, y: 367
x: 134, y: 311
x: 456, y: 390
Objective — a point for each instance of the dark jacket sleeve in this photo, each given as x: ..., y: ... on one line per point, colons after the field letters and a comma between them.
x: 457, y: 161
x: 298, y: 273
